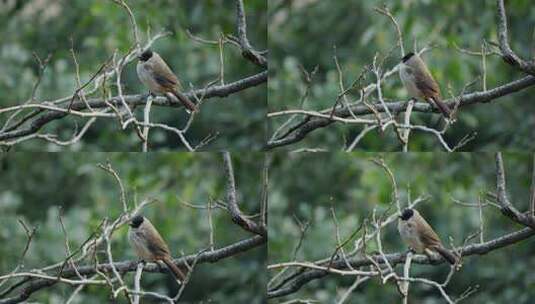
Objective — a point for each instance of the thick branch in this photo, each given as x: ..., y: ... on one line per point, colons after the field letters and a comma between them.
x: 247, y: 50
x: 232, y: 201
x: 506, y: 207
x: 130, y: 266
x: 309, y: 124
x: 508, y: 54
x: 399, y: 258
x: 134, y: 100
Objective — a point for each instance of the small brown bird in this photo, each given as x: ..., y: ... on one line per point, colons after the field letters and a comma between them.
x: 158, y: 77
x: 418, y: 234
x: 150, y: 246
x: 420, y: 83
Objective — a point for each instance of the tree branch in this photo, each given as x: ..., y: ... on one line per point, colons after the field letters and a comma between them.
x: 399, y: 258
x: 232, y: 201
x: 46, y: 116
x: 508, y: 54
x: 506, y: 207
x: 309, y: 123
x: 247, y: 50
x: 131, y: 266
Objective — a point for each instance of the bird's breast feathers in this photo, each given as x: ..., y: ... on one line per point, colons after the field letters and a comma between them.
x: 410, y: 235
x: 139, y: 242
x: 408, y: 79
x: 145, y: 73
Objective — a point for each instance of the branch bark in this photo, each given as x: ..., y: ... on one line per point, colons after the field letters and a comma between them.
x: 131, y: 266
x: 507, y: 207
x: 47, y: 116
x: 508, y: 54
x: 399, y: 258
x: 232, y: 202
x: 309, y: 124
x: 247, y: 50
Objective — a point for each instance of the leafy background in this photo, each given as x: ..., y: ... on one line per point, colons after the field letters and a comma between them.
x: 304, y: 32
x: 34, y: 192
x: 97, y: 29
x: 306, y: 186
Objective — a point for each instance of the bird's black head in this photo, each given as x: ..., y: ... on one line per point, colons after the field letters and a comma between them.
x: 136, y: 221
x: 145, y: 55
x: 407, y: 57
x: 406, y: 214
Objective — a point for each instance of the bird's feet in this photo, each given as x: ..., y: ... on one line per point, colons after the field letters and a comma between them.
x: 150, y: 94
x: 408, y: 251
x: 160, y: 267
x: 142, y: 261
x: 405, y: 107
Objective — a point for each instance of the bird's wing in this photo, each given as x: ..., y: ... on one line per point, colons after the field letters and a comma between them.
x: 156, y: 244
x: 426, y: 83
x: 163, y: 75
x: 159, y: 248
x: 427, y: 235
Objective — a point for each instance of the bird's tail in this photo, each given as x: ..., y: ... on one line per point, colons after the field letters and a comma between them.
x: 188, y: 104
x: 179, y: 275
x: 442, y: 107
x: 446, y: 254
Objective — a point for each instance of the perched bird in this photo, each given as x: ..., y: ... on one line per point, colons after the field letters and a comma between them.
x: 158, y: 77
x: 419, y: 82
x: 150, y: 246
x: 418, y: 234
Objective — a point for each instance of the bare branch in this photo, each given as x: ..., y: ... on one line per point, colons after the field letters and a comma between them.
x: 131, y: 266
x: 508, y: 54
x: 232, y: 201
x: 506, y: 207
x: 54, y: 113
x: 385, y: 11
x: 399, y: 258
x: 247, y: 50
x: 309, y: 124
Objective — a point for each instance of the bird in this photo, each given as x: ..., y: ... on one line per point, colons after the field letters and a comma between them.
x: 154, y: 73
x: 149, y: 245
x: 419, y: 82
x: 420, y: 237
